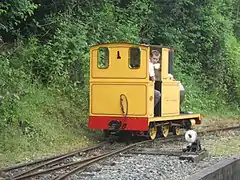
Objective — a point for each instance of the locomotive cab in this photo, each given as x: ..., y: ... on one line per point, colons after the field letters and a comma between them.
x: 122, y: 95
x: 163, y: 79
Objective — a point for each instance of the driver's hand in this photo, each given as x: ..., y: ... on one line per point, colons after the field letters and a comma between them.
x: 152, y: 78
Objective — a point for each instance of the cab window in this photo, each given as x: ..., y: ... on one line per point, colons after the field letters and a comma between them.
x: 134, y: 57
x: 103, y: 58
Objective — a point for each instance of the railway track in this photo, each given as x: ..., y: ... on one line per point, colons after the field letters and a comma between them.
x: 64, y: 165
x: 29, y: 167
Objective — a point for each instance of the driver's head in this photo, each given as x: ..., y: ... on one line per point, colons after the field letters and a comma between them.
x: 154, y: 56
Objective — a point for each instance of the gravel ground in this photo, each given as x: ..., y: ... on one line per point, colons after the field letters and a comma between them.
x: 159, y: 167
x: 133, y: 166
x: 144, y: 167
x: 76, y: 157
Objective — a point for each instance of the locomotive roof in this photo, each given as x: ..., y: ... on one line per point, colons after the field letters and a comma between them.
x: 128, y: 43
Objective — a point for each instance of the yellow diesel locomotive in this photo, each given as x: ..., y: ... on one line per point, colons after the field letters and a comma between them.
x: 122, y: 92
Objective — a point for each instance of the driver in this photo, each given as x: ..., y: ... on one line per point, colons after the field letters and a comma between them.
x: 154, y: 58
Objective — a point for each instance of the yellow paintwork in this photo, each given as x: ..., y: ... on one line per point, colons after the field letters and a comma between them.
x: 107, y: 84
x: 109, y: 96
x: 118, y: 68
x: 164, y: 64
x: 170, y: 98
x: 181, y: 116
x: 170, y: 88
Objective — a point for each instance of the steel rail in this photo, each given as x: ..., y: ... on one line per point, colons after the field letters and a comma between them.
x: 89, y: 161
x: 17, y: 166
x: 113, y: 153
x: 56, y: 168
x: 58, y: 159
x: 100, y: 158
x: 133, y: 145
x: 219, y: 129
x: 92, y: 159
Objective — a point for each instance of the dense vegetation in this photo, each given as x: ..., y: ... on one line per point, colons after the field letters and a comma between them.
x: 44, y: 60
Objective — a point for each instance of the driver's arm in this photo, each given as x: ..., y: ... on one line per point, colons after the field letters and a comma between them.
x: 151, y: 72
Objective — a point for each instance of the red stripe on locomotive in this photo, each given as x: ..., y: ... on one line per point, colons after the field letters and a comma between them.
x: 127, y: 123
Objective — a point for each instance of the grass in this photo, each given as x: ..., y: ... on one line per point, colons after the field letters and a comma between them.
x: 224, y: 144
x: 218, y: 122
x: 57, y: 124
x: 53, y: 125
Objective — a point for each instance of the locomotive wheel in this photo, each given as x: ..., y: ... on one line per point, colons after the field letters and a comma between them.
x: 152, y: 131
x: 176, y: 130
x: 164, y: 130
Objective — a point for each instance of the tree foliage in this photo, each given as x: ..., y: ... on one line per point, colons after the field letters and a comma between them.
x: 12, y: 14
x: 48, y: 41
